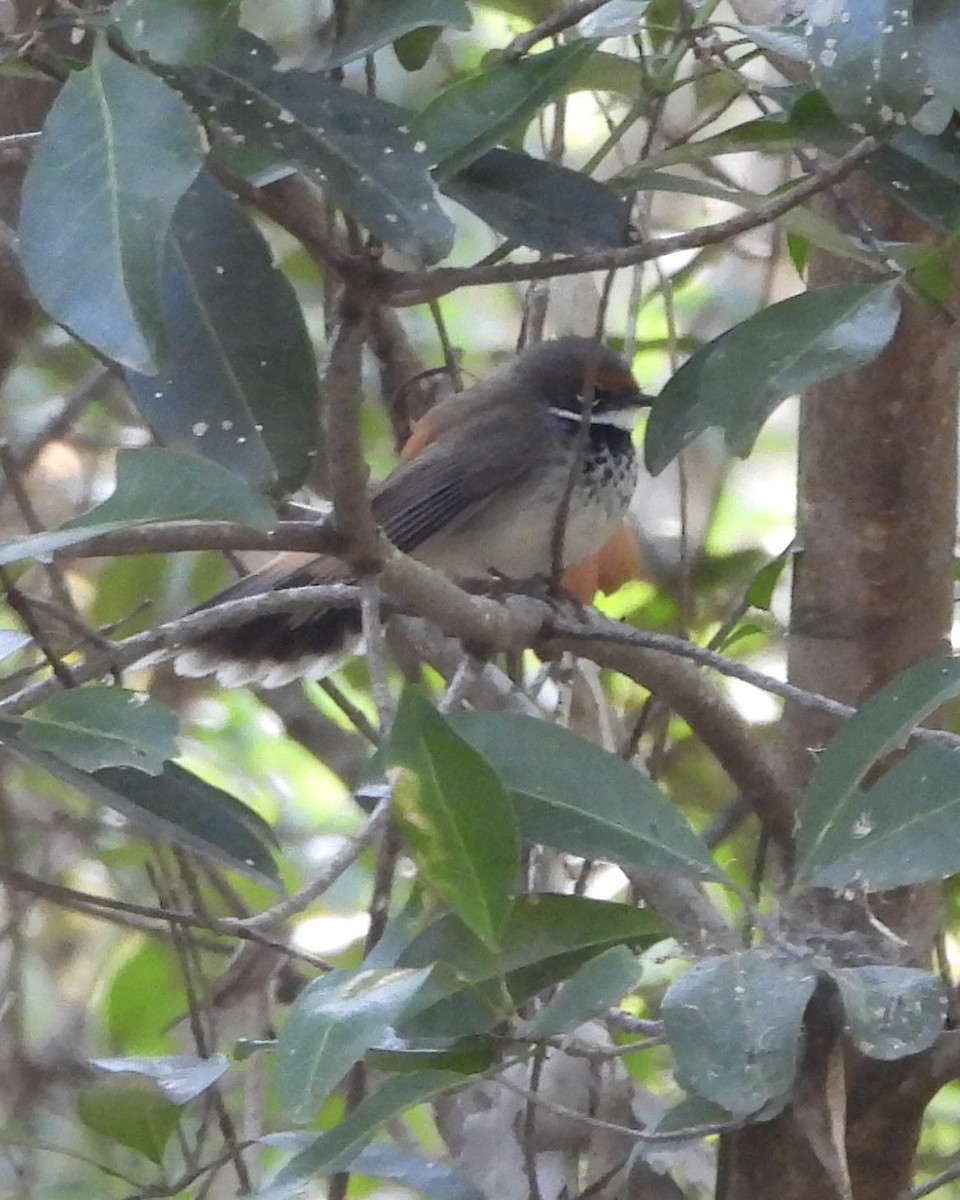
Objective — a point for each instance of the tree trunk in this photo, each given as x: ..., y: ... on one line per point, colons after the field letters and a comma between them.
x: 872, y: 593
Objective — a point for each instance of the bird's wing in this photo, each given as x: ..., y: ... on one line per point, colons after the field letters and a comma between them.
x: 455, y: 475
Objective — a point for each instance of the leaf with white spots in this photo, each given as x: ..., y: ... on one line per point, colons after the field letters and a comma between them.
x: 923, y: 173
x: 891, y: 1012
x: 734, y: 1025
x: 356, y: 147
x: 867, y: 60
x: 94, y: 727
x: 370, y: 25
x: 91, y: 248
x: 845, y: 834
x: 475, y: 114
x: 238, y: 384
x: 177, y: 31
x: 903, y: 830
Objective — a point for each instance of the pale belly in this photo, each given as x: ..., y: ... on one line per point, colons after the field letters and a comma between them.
x: 521, y: 546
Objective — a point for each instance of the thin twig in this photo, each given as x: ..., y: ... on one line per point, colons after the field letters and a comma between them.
x: 550, y: 26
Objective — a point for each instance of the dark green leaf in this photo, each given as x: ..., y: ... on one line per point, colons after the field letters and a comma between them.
x: 179, y: 1077
x: 465, y: 1055
x: 156, y: 484
x: 238, y: 383
x: 923, y: 174
x: 176, y: 806
x: 475, y: 114
x: 540, y: 204
x: 338, y: 1146
x: 892, y: 1012
x: 177, y: 31
x: 333, y: 1023
x: 372, y: 24
x: 547, y: 938
x: 573, y: 796
x: 413, y: 50
x: 882, y: 724
x: 734, y: 1025
x: 131, y: 1112
x: 901, y: 831
x: 760, y: 592
x: 736, y: 381
x: 692, y: 1112
x: 130, y: 148
x: 867, y: 62
x: 94, y: 727
x: 601, y: 983
x: 357, y: 147
x: 455, y: 817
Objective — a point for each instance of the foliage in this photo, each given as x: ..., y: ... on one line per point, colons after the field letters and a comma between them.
x: 211, y: 203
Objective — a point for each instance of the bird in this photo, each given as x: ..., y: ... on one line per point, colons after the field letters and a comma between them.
x: 476, y: 495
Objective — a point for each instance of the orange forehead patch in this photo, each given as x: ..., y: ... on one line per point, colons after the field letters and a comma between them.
x: 610, y: 379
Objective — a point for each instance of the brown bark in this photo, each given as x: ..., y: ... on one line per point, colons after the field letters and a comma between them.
x: 872, y: 593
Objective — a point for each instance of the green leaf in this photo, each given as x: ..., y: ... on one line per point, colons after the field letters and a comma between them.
x: 736, y: 381
x: 788, y: 41
x: 891, y: 1012
x: 882, y: 724
x: 899, y: 832
x: 937, y: 29
x: 760, y: 592
x: 337, y: 1147
x: 765, y: 135
x: 333, y: 1023
x: 156, y: 484
x: 413, y: 50
x: 179, y: 1077
x: 177, y: 31
x: 423, y: 1177
x: 616, y: 18
x: 358, y: 148
x: 91, y: 251
x: 175, y: 805
x: 455, y: 817
x: 143, y: 998
x: 94, y: 727
x: 570, y: 794
x: 689, y: 1113
x: 131, y: 1112
x: 372, y: 24
x: 540, y: 204
x: 238, y: 383
x: 474, y: 114
x: 547, y: 938
x: 734, y: 1024
x: 465, y: 1055
x: 922, y: 173
x: 601, y: 983
x: 866, y: 61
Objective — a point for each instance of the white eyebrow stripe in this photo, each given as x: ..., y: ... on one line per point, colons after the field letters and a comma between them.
x: 620, y: 418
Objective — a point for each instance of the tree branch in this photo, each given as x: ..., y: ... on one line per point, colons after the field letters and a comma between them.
x: 402, y: 289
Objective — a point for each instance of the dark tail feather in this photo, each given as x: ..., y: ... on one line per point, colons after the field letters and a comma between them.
x: 276, y: 649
